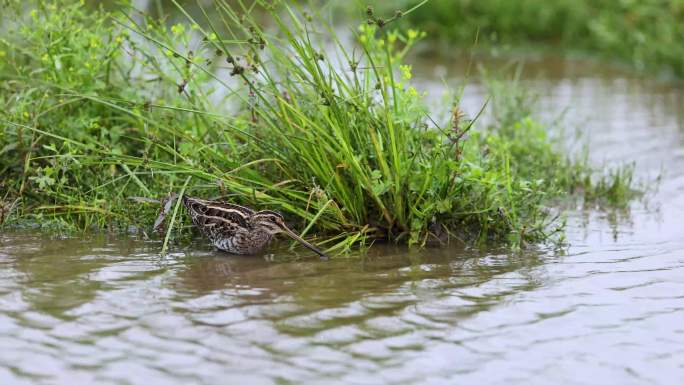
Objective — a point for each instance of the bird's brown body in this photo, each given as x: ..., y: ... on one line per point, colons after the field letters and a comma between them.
x: 238, y: 229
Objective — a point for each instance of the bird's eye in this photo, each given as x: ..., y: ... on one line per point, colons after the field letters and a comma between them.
x: 273, y: 219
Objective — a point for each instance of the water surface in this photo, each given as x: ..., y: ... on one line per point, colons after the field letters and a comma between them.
x: 609, y: 309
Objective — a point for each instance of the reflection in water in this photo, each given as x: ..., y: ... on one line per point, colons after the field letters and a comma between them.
x: 608, y: 310
x: 232, y: 316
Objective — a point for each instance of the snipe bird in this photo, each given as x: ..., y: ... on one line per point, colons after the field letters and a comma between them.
x: 238, y: 229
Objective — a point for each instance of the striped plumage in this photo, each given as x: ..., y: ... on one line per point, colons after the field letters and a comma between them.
x: 238, y: 229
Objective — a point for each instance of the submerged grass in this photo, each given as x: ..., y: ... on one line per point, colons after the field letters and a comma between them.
x: 101, y: 107
x: 646, y: 33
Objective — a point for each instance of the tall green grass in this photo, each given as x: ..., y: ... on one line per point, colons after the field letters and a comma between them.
x: 103, y: 112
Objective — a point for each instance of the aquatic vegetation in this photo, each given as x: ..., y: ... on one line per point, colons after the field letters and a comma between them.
x: 646, y: 34
x: 106, y: 113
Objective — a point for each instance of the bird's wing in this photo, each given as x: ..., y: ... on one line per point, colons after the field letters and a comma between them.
x: 217, y: 219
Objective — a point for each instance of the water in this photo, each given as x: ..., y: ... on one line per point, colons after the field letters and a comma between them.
x: 610, y: 309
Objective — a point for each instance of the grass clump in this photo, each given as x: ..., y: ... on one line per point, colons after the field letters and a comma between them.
x: 646, y: 34
x: 99, y: 107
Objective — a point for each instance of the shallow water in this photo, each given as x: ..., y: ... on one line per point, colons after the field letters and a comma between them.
x: 610, y: 309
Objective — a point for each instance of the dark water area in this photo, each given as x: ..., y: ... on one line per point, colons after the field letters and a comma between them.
x: 609, y: 309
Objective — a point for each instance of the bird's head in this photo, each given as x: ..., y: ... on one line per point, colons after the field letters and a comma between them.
x: 270, y: 221
x: 274, y: 223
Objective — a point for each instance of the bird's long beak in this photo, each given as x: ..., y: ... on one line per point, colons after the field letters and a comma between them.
x: 304, y: 243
